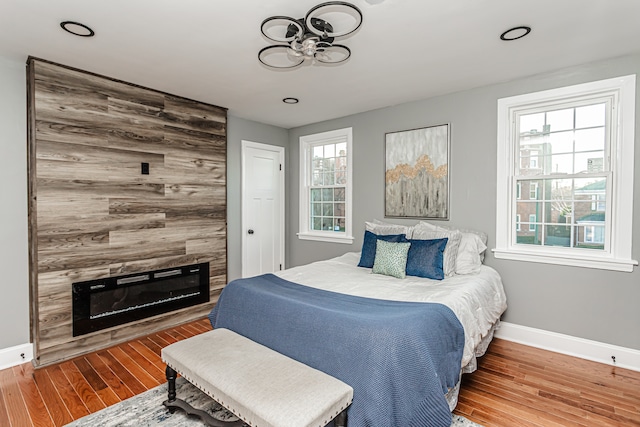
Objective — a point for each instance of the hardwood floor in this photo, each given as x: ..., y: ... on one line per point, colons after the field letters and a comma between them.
x: 58, y: 394
x: 515, y: 385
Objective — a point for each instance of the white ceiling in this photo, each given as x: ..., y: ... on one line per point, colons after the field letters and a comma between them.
x: 405, y: 50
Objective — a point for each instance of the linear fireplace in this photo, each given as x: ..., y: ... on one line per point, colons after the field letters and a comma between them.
x: 104, y: 303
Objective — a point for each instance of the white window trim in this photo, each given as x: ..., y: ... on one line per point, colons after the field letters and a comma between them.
x: 304, y: 230
x: 619, y: 256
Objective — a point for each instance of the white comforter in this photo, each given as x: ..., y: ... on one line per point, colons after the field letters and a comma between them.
x: 478, y: 300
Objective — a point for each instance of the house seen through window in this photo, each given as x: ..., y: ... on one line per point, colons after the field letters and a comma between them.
x: 565, y: 167
x: 329, y: 180
x: 564, y: 161
x: 325, y: 187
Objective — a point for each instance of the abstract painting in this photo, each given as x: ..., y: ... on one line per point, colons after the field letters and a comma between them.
x: 417, y: 173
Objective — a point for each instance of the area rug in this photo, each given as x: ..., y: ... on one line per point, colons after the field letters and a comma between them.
x: 146, y: 410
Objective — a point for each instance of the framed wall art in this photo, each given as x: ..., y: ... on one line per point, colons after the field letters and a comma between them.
x: 417, y: 173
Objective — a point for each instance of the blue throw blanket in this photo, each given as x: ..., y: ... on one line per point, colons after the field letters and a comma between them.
x: 399, y: 357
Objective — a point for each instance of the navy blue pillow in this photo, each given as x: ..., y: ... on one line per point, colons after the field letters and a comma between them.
x: 368, y: 255
x: 426, y: 257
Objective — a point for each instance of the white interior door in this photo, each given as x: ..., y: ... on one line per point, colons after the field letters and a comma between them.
x: 262, y: 208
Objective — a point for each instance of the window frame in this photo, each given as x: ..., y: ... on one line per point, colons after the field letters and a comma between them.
x: 307, y: 142
x: 617, y: 257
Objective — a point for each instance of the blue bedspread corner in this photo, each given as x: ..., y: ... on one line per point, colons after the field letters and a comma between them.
x: 399, y: 357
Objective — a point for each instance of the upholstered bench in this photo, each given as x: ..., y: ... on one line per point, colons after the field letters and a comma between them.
x: 258, y: 385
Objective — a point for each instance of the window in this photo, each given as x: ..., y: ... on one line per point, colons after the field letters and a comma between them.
x: 593, y: 234
x: 325, y: 186
x: 598, y: 202
x: 533, y: 190
x: 573, y: 149
x: 533, y: 160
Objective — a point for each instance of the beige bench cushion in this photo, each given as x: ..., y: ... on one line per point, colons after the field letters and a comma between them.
x: 260, y: 386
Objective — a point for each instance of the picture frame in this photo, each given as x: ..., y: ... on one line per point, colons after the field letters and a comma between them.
x: 417, y: 173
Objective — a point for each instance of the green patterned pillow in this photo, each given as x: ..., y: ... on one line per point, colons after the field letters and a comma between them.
x: 391, y: 259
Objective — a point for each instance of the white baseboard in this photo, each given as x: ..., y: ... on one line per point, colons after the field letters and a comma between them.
x: 626, y: 358
x: 12, y: 356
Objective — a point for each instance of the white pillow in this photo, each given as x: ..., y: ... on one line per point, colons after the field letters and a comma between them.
x: 384, y: 229
x: 430, y: 232
x: 470, y: 251
x: 482, y: 236
x: 469, y: 259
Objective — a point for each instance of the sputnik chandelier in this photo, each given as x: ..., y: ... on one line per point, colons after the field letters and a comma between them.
x: 310, y: 38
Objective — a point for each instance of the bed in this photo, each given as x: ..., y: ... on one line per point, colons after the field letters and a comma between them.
x: 373, y: 331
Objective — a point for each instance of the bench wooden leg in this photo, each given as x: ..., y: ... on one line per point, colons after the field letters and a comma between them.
x: 171, y: 375
x: 172, y: 403
x: 341, y: 419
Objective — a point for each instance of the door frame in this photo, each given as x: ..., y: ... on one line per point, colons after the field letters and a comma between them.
x: 281, y: 189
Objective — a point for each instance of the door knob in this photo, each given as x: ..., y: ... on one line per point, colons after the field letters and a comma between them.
x: 250, y: 231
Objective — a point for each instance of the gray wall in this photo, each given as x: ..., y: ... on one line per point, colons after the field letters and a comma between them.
x: 592, y: 304
x: 14, y: 261
x: 237, y: 131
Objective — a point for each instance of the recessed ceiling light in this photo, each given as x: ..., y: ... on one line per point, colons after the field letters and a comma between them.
x: 290, y: 100
x: 77, y: 29
x: 515, y: 33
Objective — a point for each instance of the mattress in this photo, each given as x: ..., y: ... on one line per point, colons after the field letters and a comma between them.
x: 477, y: 299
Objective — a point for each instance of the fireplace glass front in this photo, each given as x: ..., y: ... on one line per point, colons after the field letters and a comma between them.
x: 112, y: 301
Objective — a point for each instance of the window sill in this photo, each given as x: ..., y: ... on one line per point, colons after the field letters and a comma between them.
x: 326, y: 238
x: 598, y: 262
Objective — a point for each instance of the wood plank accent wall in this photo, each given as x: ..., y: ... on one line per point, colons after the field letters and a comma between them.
x: 93, y: 214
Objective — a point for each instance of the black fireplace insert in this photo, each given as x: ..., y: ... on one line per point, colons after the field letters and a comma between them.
x: 112, y: 301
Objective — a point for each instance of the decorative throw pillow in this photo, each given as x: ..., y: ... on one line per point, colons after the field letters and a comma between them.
x: 422, y: 232
x: 368, y: 254
x: 391, y: 258
x: 426, y: 257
